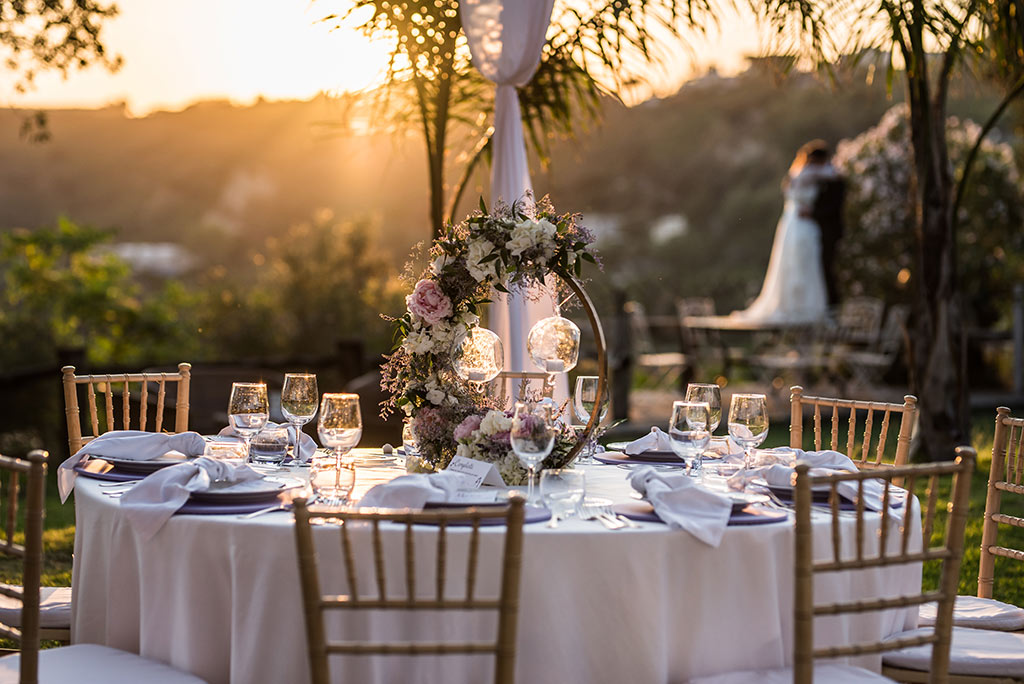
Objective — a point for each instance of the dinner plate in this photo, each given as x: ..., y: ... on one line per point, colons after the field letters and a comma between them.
x: 654, y: 455
x: 748, y: 515
x: 248, y: 491
x: 101, y: 470
x: 617, y: 459
x: 128, y: 465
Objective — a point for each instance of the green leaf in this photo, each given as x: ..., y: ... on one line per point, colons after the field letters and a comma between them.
x: 500, y: 288
x: 483, y: 207
x: 589, y: 257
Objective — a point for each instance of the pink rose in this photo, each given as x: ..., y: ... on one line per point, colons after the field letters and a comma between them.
x: 467, y: 427
x: 428, y: 302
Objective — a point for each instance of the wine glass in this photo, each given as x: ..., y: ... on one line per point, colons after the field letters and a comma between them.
x: 689, y: 432
x: 340, y: 428
x: 711, y: 394
x: 748, y: 423
x: 583, y: 404
x: 248, y: 409
x: 298, y: 404
x: 562, y: 491
x: 532, y: 438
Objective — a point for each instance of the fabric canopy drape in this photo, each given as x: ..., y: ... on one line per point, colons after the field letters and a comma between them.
x: 505, y: 39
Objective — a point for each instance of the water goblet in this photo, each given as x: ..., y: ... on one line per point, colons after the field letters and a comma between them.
x: 562, y: 490
x: 248, y: 409
x: 748, y: 423
x: 583, y: 401
x: 711, y: 394
x: 340, y: 426
x: 299, y: 403
x: 270, y: 445
x: 689, y: 432
x: 532, y: 437
x: 332, y: 479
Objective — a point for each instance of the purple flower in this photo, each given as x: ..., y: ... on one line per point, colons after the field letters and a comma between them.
x: 503, y: 438
x: 467, y: 427
x: 429, y: 302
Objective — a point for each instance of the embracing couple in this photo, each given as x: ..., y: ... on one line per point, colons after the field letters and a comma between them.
x: 800, y: 285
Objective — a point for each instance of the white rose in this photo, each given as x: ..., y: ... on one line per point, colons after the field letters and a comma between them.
x: 478, y: 250
x: 435, y: 396
x: 495, y: 422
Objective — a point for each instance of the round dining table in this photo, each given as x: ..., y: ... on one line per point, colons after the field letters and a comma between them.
x: 219, y: 596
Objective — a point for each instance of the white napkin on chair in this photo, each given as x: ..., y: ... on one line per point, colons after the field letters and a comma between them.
x: 822, y: 463
x: 152, y: 501
x: 306, y: 449
x: 682, y: 503
x: 135, y: 445
x: 655, y: 440
x: 415, y: 491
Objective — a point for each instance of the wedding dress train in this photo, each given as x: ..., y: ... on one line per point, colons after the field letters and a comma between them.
x: 794, y: 287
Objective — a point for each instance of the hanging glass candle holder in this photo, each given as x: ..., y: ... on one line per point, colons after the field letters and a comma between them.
x: 554, y: 344
x: 479, y: 356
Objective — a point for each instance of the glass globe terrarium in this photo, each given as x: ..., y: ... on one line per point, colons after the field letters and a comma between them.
x: 479, y: 356
x: 554, y: 345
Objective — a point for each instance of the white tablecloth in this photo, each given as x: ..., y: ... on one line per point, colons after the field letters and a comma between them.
x: 219, y: 597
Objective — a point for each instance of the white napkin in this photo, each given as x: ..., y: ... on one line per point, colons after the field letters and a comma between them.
x: 414, y: 491
x: 822, y: 463
x: 682, y: 503
x: 128, y: 444
x: 152, y: 501
x: 306, y: 450
x: 655, y: 440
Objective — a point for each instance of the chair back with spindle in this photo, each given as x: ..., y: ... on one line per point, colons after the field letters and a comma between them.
x: 316, y: 605
x: 506, y: 381
x: 880, y: 553
x: 874, y: 413
x: 30, y: 552
x: 1006, y: 475
x: 106, y: 383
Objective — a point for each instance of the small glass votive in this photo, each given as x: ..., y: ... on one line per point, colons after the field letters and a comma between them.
x: 227, y: 450
x: 332, y: 479
x: 270, y: 445
x: 768, y: 457
x: 562, y: 490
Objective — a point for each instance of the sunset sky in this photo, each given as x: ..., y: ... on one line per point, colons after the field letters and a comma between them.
x: 178, y: 52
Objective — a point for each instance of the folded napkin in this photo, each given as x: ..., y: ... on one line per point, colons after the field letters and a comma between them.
x: 655, y: 440
x: 822, y: 463
x: 682, y: 503
x: 414, y: 491
x: 135, y: 445
x: 306, y: 450
x: 152, y: 501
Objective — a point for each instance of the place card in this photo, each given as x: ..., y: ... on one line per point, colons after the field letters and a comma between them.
x: 480, y: 471
x: 474, y: 497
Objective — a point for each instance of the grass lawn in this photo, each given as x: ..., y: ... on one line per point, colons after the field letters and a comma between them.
x: 1009, y: 587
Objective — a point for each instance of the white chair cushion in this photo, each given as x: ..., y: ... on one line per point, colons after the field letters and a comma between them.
x: 92, y: 663
x: 982, y: 613
x: 833, y: 674
x: 54, y: 608
x: 974, y: 652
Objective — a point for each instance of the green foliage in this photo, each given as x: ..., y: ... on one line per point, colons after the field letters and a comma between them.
x: 879, y: 242
x: 62, y: 290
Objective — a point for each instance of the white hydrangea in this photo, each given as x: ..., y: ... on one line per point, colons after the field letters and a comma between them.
x: 478, y: 250
x: 495, y: 422
x: 523, y: 237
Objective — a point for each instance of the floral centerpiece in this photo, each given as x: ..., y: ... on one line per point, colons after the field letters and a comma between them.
x: 509, y: 250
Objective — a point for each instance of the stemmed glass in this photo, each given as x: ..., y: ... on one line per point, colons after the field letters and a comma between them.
x: 298, y: 404
x: 340, y: 428
x: 689, y: 432
x: 711, y: 394
x: 248, y: 410
x: 748, y: 423
x: 583, y: 405
x: 562, y: 491
x: 532, y: 438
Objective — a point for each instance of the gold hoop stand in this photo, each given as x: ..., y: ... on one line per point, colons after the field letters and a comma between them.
x: 602, y: 359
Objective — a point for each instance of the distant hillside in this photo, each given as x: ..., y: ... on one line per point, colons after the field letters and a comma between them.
x: 701, y: 169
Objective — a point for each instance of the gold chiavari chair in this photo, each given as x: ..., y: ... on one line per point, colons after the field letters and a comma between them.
x: 1006, y: 476
x: 316, y: 605
x: 105, y: 384
x: 893, y: 545
x: 79, y: 663
x: 873, y: 412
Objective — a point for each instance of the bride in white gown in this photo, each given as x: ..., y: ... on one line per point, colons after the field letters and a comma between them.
x: 794, y: 287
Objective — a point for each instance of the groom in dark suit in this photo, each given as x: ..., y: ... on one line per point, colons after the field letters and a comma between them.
x: 828, y: 214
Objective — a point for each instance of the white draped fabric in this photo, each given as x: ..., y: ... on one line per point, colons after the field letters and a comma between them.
x: 219, y: 597
x: 505, y: 40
